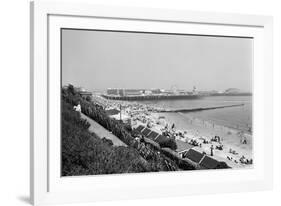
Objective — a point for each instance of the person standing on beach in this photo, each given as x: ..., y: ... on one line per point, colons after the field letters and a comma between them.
x: 212, y: 148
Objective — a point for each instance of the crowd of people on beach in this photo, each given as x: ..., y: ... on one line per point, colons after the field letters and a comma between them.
x: 242, y: 159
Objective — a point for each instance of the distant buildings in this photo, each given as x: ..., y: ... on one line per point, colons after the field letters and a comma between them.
x: 113, y: 91
x: 156, y: 91
x: 140, y: 92
x: 124, y: 92
x: 133, y: 92
x: 148, y: 92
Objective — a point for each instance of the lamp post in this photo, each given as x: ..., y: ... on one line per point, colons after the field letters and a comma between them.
x: 120, y: 112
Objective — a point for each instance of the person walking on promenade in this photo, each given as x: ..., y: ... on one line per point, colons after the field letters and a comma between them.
x: 77, y: 108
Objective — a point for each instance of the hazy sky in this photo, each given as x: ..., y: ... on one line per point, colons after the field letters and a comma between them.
x: 100, y: 60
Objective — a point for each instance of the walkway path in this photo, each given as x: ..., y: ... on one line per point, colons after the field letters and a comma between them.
x: 101, y: 132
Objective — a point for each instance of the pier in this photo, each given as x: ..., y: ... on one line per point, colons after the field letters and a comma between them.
x: 151, y: 97
x: 168, y: 96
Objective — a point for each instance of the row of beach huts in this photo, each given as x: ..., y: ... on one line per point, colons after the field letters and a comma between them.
x: 184, y: 152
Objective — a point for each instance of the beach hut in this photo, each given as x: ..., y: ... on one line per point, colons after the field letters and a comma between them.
x: 152, y: 135
x: 182, y: 147
x: 160, y: 138
x: 152, y: 143
x: 146, y: 132
x: 209, y: 163
x: 139, y: 128
x: 193, y: 155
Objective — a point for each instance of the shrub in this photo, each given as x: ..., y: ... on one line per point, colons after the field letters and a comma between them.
x: 168, y: 142
x: 88, y: 98
x: 71, y: 89
x: 107, y: 141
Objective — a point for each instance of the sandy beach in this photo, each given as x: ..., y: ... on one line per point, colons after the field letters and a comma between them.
x: 230, y: 138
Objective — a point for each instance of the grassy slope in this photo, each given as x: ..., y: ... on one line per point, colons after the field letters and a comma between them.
x: 83, y: 153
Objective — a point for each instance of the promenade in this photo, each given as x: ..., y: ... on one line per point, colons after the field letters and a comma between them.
x: 101, y: 132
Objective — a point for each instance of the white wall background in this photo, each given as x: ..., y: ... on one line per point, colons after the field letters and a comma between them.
x: 14, y: 99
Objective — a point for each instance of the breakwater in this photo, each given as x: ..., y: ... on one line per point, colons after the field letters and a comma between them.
x: 199, y: 109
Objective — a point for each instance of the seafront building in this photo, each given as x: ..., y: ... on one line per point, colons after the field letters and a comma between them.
x: 139, y: 92
x: 125, y: 92
x: 149, y: 94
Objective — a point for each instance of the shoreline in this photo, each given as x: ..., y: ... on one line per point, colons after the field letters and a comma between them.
x: 215, y: 124
x: 194, y: 131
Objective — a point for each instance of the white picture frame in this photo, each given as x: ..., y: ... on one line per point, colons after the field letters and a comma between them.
x: 47, y: 18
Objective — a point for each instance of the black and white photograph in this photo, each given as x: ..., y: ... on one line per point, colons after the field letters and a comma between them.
x: 136, y: 102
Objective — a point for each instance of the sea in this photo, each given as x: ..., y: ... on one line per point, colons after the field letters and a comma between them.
x: 239, y: 117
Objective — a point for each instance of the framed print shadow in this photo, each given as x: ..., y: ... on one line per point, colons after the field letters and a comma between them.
x: 143, y: 103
